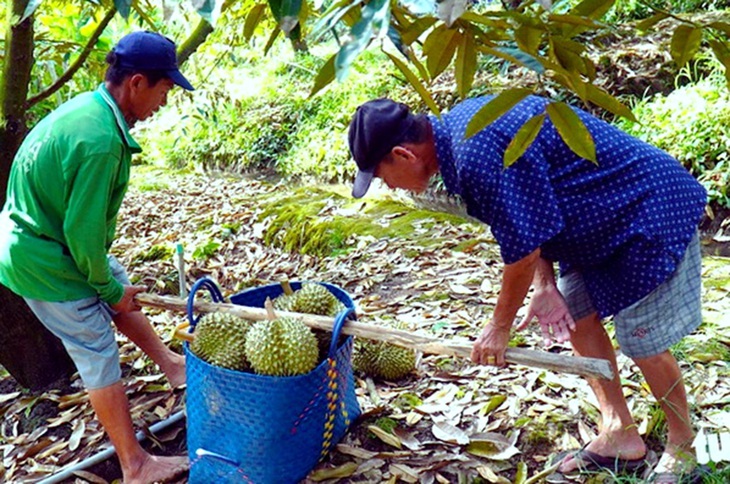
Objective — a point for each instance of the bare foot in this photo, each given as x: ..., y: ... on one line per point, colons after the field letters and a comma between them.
x: 631, y: 447
x: 157, y: 469
x: 175, y: 370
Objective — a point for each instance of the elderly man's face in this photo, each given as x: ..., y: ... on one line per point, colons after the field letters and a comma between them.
x: 146, y: 98
x: 403, y: 168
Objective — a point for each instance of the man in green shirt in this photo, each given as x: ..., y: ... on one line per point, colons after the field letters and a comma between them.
x: 66, y: 186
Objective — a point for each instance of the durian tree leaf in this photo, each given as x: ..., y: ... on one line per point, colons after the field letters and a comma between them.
x: 600, y: 97
x: 282, y: 9
x: 330, y: 18
x: 523, y: 139
x: 448, y: 11
x: 573, y: 20
x: 722, y: 52
x: 34, y: 4
x: 440, y: 48
x: 516, y: 56
x: 397, y: 41
x: 123, y: 7
x: 415, y: 29
x: 272, y: 38
x: 721, y: 26
x: 685, y: 44
x: 567, y: 57
x: 466, y: 64
x: 373, y: 22
x: 529, y: 38
x: 419, y: 65
x: 252, y: 20
x: 416, y: 84
x: 572, y: 130
x: 594, y: 9
x: 493, y: 404
x: 386, y: 437
x: 648, y: 23
x: 325, y: 76
x: 495, y: 108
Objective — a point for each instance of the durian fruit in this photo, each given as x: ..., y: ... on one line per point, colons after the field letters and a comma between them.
x: 220, y: 340
x: 394, y: 362
x: 364, y: 353
x: 312, y: 298
x: 382, y: 360
x: 281, y: 346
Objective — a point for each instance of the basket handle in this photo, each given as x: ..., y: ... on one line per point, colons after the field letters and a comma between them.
x: 342, y: 317
x: 215, y: 294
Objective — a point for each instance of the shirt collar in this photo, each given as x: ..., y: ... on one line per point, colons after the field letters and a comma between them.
x: 445, y: 156
x: 123, y: 128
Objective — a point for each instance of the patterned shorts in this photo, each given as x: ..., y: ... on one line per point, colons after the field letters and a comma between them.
x: 84, y: 327
x: 653, y: 324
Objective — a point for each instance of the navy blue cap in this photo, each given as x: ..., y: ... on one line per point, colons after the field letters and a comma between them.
x: 150, y: 51
x: 376, y: 127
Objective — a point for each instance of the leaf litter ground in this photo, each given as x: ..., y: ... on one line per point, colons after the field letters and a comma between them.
x: 449, y: 421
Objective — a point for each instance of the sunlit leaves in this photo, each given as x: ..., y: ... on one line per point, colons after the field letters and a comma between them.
x: 123, y: 7
x: 648, y: 23
x: 523, y: 139
x: 286, y: 13
x: 466, y: 64
x: 415, y: 83
x: 594, y: 9
x: 722, y: 52
x: 685, y: 43
x: 439, y: 49
x: 325, y: 75
x: 601, y: 98
x: 494, y: 109
x: 374, y: 21
x: 572, y: 130
x: 252, y: 20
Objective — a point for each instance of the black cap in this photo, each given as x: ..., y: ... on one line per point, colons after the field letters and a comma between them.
x: 376, y: 127
x: 150, y: 51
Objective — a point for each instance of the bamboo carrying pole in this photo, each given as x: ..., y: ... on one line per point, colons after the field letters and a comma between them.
x: 577, y: 365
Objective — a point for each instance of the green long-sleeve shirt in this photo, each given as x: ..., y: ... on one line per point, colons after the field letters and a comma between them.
x: 65, y: 189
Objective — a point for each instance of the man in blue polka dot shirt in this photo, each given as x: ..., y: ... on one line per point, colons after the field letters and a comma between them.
x: 623, y: 232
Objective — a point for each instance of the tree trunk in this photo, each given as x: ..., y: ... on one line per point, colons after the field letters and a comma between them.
x: 31, y: 354
x: 28, y: 351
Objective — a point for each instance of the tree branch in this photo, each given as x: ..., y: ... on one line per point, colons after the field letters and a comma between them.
x: 66, y: 76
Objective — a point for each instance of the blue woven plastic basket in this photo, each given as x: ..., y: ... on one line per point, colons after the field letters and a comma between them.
x: 244, y: 427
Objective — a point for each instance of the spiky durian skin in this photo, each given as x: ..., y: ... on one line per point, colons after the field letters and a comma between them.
x: 285, y: 302
x: 394, y: 362
x: 363, y: 356
x: 220, y: 340
x: 282, y: 347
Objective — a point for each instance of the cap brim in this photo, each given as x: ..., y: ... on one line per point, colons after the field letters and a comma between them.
x: 362, y: 183
x: 180, y: 80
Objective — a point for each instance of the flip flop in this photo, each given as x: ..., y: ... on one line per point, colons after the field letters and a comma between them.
x: 591, y: 462
x: 693, y: 477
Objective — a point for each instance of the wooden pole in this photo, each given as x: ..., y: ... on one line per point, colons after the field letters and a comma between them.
x: 577, y: 365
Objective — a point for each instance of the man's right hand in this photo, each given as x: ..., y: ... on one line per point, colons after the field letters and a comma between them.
x: 128, y: 304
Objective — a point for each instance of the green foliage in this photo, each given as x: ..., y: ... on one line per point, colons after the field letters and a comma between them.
x: 691, y: 125
x: 317, y: 221
x: 206, y: 250
x: 256, y: 113
x: 156, y: 252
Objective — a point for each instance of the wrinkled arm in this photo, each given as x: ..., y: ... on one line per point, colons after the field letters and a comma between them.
x: 489, y: 348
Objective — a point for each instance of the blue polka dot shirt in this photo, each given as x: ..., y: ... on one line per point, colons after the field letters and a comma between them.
x: 624, y: 223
